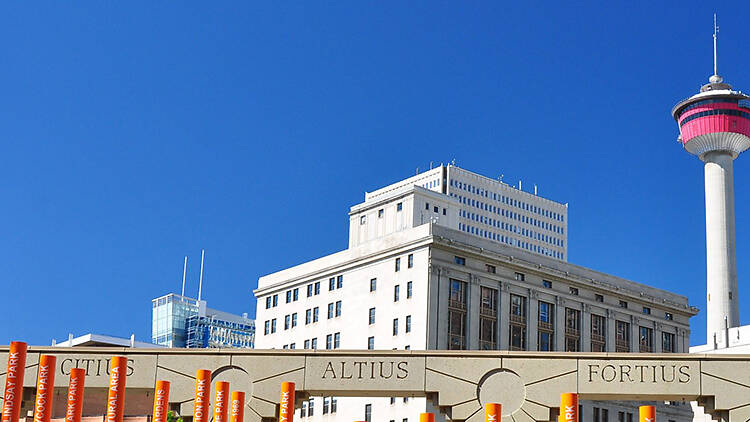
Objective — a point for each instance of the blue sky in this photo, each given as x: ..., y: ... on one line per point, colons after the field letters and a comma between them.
x: 136, y: 133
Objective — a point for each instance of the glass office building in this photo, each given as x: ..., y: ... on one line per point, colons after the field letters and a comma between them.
x: 180, y: 321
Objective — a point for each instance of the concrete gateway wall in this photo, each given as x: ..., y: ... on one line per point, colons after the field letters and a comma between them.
x: 459, y: 383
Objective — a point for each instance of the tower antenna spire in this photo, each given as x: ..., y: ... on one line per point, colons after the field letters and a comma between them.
x: 716, y: 30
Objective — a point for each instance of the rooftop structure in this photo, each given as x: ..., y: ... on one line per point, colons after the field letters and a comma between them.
x: 101, y: 340
x: 462, y: 200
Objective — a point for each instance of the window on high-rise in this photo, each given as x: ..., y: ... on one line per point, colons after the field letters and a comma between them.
x: 370, y: 343
x: 598, y: 333
x: 408, y: 324
x: 288, y: 296
x: 273, y: 325
x: 372, y: 316
x: 490, y: 268
x: 668, y: 316
x: 294, y: 320
x: 336, y: 340
x: 459, y: 260
x: 667, y: 343
x: 399, y: 206
x: 520, y: 277
x: 381, y: 213
x: 338, y: 308
x: 457, y: 315
x: 572, y: 330
x: 330, y: 310
x: 408, y: 289
x: 309, y: 290
x: 308, y: 316
x: 314, y: 343
x: 488, y: 319
x: 373, y: 284
x: 339, y: 281
x: 546, y: 331
x: 517, y: 330
x: 315, y: 314
x: 398, y: 264
x: 396, y: 293
x: 295, y: 294
x: 268, y: 302
x: 410, y: 261
x: 329, y: 341
x: 368, y: 413
x: 646, y: 340
x: 395, y: 326
x: 317, y: 287
x: 275, y: 300
x: 622, y: 336
x: 331, y: 283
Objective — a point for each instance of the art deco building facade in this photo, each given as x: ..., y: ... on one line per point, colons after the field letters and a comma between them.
x: 411, y: 282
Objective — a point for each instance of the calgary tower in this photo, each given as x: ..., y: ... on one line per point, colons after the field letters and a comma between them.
x: 715, y: 126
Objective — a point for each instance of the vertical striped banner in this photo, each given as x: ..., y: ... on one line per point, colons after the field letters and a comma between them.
x: 221, y: 396
x: 45, y: 387
x: 426, y: 417
x: 286, y: 405
x: 647, y: 413
x: 202, y: 395
x: 74, y: 409
x: 161, y: 401
x: 14, y: 381
x: 118, y: 371
x: 568, y: 407
x: 493, y: 412
x: 237, y: 412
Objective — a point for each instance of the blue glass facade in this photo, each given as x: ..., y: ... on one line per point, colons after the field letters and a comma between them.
x: 179, y: 321
x: 215, y: 332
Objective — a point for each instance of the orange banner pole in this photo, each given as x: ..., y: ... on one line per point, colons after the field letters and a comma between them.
x: 237, y: 412
x: 568, y: 407
x: 647, y: 413
x: 286, y: 405
x: 493, y: 412
x: 75, y: 395
x: 14, y: 381
x: 161, y: 401
x: 202, y: 395
x: 118, y: 370
x: 426, y: 417
x: 220, y: 401
x: 45, y: 386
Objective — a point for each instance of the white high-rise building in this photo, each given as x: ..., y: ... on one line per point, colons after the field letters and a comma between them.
x: 471, y: 203
x: 414, y: 278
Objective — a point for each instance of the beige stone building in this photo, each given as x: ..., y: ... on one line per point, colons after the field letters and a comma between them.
x: 409, y: 282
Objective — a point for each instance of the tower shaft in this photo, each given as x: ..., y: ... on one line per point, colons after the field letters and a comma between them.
x: 721, y: 259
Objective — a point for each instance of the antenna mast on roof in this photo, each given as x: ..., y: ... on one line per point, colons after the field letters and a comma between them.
x: 200, y: 283
x: 716, y: 30
x: 184, y: 273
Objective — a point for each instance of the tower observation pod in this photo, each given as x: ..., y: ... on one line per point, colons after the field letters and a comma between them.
x: 715, y: 126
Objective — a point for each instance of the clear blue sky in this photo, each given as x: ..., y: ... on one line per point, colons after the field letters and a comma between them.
x: 136, y: 133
